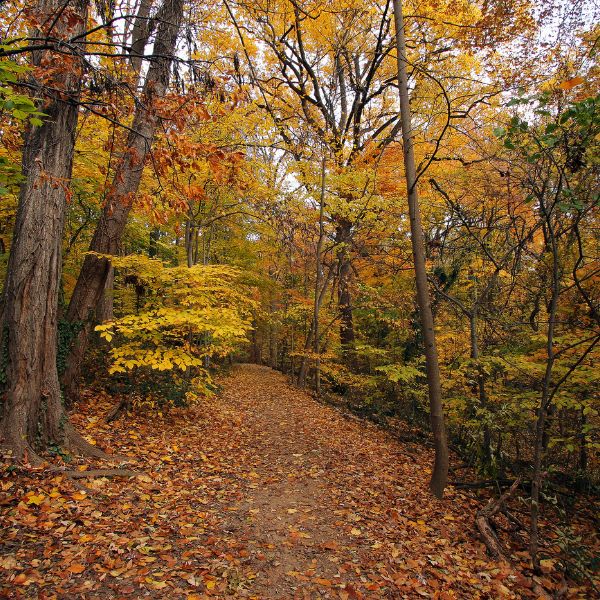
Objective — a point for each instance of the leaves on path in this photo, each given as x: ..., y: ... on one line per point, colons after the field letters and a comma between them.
x: 260, y: 492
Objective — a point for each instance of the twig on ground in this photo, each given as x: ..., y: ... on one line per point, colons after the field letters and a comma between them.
x: 482, y: 519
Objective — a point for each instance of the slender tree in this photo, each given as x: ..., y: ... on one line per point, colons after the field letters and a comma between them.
x: 109, y: 230
x: 439, y: 475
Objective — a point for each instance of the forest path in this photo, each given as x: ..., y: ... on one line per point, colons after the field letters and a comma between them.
x: 260, y: 492
x: 336, y: 508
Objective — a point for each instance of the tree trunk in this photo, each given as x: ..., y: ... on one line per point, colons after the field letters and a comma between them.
x: 483, y: 402
x: 439, y: 475
x: 347, y: 337
x: 128, y: 175
x: 272, y: 336
x: 153, y: 240
x: 303, y: 372
x: 546, y: 397
x: 318, y: 279
x: 105, y: 310
x: 189, y: 246
x: 33, y: 415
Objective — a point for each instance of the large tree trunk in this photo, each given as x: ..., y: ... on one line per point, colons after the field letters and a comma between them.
x: 33, y: 414
x: 125, y: 185
x: 439, y: 475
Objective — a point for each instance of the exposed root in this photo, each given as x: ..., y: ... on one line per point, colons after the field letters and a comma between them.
x: 76, y: 443
x: 92, y: 473
x: 21, y: 453
x: 74, y: 476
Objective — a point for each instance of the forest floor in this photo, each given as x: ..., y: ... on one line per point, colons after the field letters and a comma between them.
x: 259, y: 492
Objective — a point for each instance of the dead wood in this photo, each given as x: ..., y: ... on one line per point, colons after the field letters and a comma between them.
x: 484, y: 525
x: 117, y: 411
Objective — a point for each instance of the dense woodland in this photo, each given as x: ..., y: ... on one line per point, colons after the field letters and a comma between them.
x: 394, y: 204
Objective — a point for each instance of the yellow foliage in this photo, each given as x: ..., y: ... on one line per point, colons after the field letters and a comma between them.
x: 190, y: 314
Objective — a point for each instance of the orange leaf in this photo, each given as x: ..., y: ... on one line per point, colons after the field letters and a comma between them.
x: 571, y: 83
x: 77, y: 568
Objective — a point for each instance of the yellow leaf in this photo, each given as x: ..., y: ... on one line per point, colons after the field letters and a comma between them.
x: 33, y: 499
x: 355, y: 531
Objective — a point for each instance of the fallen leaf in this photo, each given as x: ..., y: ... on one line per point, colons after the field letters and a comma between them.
x: 76, y: 568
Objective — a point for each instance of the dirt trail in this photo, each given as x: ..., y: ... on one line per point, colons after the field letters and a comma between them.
x: 260, y: 492
x: 337, y: 508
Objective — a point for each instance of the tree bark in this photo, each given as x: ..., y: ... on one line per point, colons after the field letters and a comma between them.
x: 33, y: 414
x: 303, y: 372
x: 439, y: 475
x: 105, y: 310
x: 347, y: 336
x: 546, y: 397
x: 483, y: 401
x: 126, y: 182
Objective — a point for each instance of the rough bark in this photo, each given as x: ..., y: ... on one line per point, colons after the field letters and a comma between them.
x: 105, y: 310
x: 125, y: 184
x: 439, y: 475
x: 33, y: 415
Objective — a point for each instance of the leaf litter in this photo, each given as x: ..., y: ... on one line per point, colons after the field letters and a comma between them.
x: 259, y: 492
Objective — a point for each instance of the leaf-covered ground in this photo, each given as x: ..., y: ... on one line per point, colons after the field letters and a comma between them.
x: 260, y: 492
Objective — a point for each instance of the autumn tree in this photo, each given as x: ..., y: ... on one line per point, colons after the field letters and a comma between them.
x: 440, y: 469
x: 33, y: 413
x: 126, y: 181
